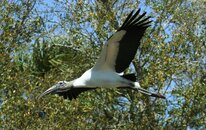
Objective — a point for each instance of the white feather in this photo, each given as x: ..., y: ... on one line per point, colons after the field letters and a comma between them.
x: 100, y: 78
x: 107, y: 59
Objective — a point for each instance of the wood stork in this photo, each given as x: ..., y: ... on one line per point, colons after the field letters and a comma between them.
x: 115, y: 57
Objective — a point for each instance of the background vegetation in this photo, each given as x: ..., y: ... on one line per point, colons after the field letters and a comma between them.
x: 42, y: 42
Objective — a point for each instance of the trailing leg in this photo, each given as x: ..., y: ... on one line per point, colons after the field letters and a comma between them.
x: 144, y: 91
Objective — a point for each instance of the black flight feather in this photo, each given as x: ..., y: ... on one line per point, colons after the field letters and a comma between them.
x: 135, y: 26
x: 73, y: 93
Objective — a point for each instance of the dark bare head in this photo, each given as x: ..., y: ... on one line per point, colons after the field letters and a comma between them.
x: 61, y: 86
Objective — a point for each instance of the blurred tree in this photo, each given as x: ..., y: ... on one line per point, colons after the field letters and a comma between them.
x: 42, y: 42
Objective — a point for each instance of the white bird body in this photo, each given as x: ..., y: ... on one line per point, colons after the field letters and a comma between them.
x: 101, y: 78
x: 115, y: 57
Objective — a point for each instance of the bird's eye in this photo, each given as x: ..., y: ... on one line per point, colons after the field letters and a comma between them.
x: 61, y: 83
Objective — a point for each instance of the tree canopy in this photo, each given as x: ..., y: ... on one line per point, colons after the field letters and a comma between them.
x: 42, y: 42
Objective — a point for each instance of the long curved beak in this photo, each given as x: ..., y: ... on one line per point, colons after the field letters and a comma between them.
x: 48, y: 91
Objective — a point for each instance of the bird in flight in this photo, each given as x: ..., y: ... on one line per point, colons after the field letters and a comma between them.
x: 116, y: 56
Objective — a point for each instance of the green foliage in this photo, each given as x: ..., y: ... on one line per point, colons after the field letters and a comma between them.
x: 42, y: 43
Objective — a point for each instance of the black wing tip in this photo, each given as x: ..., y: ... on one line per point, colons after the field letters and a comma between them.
x: 145, y: 24
x: 138, y: 11
x: 133, y: 20
x: 144, y: 13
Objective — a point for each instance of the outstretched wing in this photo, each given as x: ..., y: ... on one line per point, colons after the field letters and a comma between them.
x: 121, y: 48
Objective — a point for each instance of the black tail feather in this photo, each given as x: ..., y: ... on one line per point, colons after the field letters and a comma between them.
x: 130, y: 77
